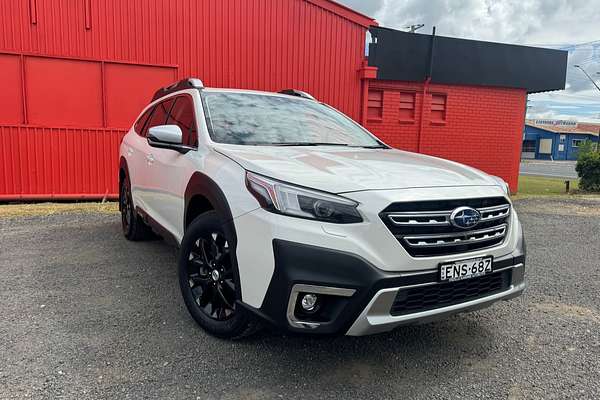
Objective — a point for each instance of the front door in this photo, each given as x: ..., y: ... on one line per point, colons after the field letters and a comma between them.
x: 172, y: 170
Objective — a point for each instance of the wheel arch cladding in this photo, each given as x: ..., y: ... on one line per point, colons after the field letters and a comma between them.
x: 205, y: 194
x: 123, y: 168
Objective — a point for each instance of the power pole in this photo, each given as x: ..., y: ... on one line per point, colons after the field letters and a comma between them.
x: 414, y: 28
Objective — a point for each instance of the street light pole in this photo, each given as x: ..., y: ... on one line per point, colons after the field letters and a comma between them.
x: 589, y: 77
x: 595, y: 84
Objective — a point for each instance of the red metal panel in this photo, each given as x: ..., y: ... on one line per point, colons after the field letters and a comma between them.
x: 345, y: 12
x: 63, y: 92
x: 312, y: 45
x: 11, y: 96
x: 139, y: 82
x: 58, y: 163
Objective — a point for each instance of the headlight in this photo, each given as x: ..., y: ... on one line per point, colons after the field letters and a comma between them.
x: 294, y: 201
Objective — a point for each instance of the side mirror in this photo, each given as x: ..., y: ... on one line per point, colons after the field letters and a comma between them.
x: 167, y: 137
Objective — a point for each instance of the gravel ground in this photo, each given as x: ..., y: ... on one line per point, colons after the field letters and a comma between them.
x: 86, y: 314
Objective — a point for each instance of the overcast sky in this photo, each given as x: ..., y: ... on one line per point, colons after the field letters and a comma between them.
x: 573, y: 25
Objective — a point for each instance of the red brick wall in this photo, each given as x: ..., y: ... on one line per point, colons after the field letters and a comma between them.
x: 483, y: 126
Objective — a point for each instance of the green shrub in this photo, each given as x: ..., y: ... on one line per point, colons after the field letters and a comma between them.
x: 588, y: 169
x: 586, y: 147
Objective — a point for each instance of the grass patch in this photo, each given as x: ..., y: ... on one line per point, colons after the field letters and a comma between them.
x: 37, y: 209
x: 542, y: 186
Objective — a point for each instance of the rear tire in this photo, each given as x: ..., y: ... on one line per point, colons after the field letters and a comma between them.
x: 134, y: 227
x: 208, y: 280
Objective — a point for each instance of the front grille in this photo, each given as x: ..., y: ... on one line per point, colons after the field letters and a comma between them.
x: 424, y: 228
x: 424, y: 298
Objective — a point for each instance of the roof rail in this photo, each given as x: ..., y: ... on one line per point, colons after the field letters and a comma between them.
x: 297, y: 93
x: 188, y: 83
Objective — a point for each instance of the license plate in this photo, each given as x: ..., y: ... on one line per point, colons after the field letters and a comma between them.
x: 465, y: 269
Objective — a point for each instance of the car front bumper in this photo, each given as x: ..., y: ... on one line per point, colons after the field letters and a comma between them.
x: 376, y: 317
x: 360, y: 296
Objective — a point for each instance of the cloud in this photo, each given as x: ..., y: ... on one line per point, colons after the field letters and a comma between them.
x: 367, y: 7
x: 572, y: 25
x: 514, y: 21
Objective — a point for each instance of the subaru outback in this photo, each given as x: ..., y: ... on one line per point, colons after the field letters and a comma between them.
x: 289, y: 214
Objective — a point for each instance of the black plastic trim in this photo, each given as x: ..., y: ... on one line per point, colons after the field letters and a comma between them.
x: 201, y: 184
x: 180, y: 148
x: 297, y: 93
x: 183, y: 84
x: 300, y: 263
x: 157, y: 227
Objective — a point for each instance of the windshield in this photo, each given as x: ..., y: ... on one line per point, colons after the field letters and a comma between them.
x: 255, y: 119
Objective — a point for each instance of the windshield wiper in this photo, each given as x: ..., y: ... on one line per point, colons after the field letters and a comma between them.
x: 306, y: 144
x: 376, y: 146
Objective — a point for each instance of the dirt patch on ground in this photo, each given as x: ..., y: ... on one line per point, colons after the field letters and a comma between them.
x: 568, y: 310
x: 41, y: 209
x: 565, y: 205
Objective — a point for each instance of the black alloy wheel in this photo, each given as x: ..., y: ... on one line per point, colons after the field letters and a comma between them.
x: 211, y: 276
x: 208, y: 279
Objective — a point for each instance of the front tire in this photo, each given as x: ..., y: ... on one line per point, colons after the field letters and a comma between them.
x: 208, y: 280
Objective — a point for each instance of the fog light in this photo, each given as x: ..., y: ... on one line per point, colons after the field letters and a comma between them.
x: 309, y: 301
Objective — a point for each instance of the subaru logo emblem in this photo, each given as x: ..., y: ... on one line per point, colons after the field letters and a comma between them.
x: 465, y: 217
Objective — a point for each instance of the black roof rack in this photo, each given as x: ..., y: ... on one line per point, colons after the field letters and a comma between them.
x: 297, y: 93
x: 188, y: 83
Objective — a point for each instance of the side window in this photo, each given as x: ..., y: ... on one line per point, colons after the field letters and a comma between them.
x: 159, y: 116
x: 138, y: 127
x: 183, y: 116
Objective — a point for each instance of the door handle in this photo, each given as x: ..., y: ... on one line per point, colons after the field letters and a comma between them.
x: 150, y: 158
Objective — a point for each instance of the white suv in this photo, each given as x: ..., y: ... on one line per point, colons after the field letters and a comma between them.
x: 289, y: 213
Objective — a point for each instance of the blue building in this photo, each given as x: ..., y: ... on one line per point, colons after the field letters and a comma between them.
x: 556, y: 140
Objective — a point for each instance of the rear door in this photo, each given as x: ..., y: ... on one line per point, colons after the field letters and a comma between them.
x: 146, y: 182
x: 171, y: 169
x: 135, y: 153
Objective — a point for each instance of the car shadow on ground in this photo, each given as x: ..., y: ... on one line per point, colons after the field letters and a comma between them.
x: 409, y: 352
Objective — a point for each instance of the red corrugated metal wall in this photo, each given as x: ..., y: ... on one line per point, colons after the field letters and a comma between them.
x: 66, y: 163
x: 76, y: 73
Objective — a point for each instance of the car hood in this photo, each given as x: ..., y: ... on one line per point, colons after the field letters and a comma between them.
x: 338, y: 169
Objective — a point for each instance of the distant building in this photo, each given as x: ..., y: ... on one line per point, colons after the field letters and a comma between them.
x: 545, y: 139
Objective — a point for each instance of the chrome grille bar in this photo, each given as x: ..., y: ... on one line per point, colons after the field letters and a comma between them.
x: 494, y: 213
x: 442, y: 218
x: 456, y: 239
x: 425, y: 228
x: 426, y: 218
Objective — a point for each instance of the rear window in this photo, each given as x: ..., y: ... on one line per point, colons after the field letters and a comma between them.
x: 141, y: 122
